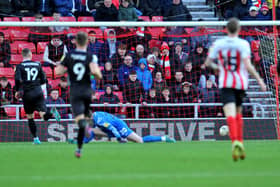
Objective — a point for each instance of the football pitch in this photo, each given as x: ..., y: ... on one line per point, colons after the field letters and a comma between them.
x: 184, y: 164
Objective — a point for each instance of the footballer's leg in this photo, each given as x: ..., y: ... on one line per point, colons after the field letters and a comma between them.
x: 82, y: 123
x: 229, y: 100
x: 135, y: 138
x: 239, y: 122
x: 146, y: 139
x: 230, y: 113
x: 33, y: 128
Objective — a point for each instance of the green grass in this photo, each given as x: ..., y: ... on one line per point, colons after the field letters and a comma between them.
x: 185, y: 164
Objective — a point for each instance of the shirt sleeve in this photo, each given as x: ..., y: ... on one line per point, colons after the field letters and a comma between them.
x: 246, y: 52
x: 213, y: 51
x: 93, y: 59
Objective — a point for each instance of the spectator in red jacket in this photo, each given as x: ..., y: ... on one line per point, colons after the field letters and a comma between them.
x: 168, y: 63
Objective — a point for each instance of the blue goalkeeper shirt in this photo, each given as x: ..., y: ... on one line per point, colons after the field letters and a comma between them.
x: 111, y: 125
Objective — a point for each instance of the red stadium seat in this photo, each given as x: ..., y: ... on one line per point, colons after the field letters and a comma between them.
x: 48, y: 71
x: 14, y: 48
x: 188, y: 30
x: 7, y: 72
x: 157, y: 18
x: 22, y: 113
x: 54, y: 82
x: 11, y: 19
x: 85, y: 18
x: 73, y: 30
x: 30, y: 46
x: 154, y: 43
x: 255, y: 45
x: 28, y: 19
x: 120, y: 96
x: 16, y: 59
x: 68, y: 19
x: 41, y: 47
x: 6, y: 34
x: 156, y: 31
x: 18, y: 35
x: 145, y: 18
x: 37, y: 58
x: 46, y: 19
x: 11, y: 112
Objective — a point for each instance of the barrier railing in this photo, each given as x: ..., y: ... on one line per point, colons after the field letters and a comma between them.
x: 196, y: 106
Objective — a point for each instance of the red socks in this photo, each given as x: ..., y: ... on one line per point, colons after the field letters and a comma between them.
x: 235, y: 127
x: 232, y: 124
x: 239, y: 122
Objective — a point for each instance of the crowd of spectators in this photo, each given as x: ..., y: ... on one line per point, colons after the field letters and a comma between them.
x: 248, y: 9
x: 170, y: 71
x: 101, y: 10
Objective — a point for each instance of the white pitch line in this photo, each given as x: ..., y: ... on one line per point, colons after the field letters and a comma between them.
x: 140, y: 176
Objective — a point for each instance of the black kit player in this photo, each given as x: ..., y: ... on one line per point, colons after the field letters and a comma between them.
x: 29, y: 77
x: 80, y: 65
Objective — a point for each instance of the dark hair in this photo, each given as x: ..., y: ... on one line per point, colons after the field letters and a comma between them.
x: 91, y: 32
x: 56, y: 12
x: 82, y: 38
x: 25, y: 52
x: 63, y: 78
x: 233, y: 25
x: 133, y: 72
x: 121, y: 46
x: 2, y: 34
x: 39, y: 16
x: 3, y: 79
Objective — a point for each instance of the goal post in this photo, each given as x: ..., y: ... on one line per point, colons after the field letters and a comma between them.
x: 175, y: 95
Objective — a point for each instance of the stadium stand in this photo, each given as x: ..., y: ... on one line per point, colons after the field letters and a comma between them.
x: 18, y: 38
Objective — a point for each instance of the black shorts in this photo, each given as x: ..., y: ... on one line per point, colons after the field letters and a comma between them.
x: 80, y: 100
x: 231, y: 95
x: 33, y: 100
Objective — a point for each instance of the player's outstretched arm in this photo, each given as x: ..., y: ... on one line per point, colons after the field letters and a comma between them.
x: 251, y: 69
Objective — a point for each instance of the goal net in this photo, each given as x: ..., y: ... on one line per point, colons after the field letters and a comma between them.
x: 153, y: 77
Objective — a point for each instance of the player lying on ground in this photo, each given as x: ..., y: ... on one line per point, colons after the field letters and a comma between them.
x: 234, y: 62
x: 108, y: 125
x: 29, y: 77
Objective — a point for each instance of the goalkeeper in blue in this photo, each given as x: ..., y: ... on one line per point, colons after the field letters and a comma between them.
x: 108, y: 125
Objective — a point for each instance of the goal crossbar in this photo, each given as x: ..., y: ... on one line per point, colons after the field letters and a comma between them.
x: 134, y: 24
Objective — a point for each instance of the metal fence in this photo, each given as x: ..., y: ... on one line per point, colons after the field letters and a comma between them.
x: 255, y: 107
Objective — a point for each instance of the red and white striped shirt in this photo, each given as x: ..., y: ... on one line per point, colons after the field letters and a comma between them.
x: 230, y: 53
